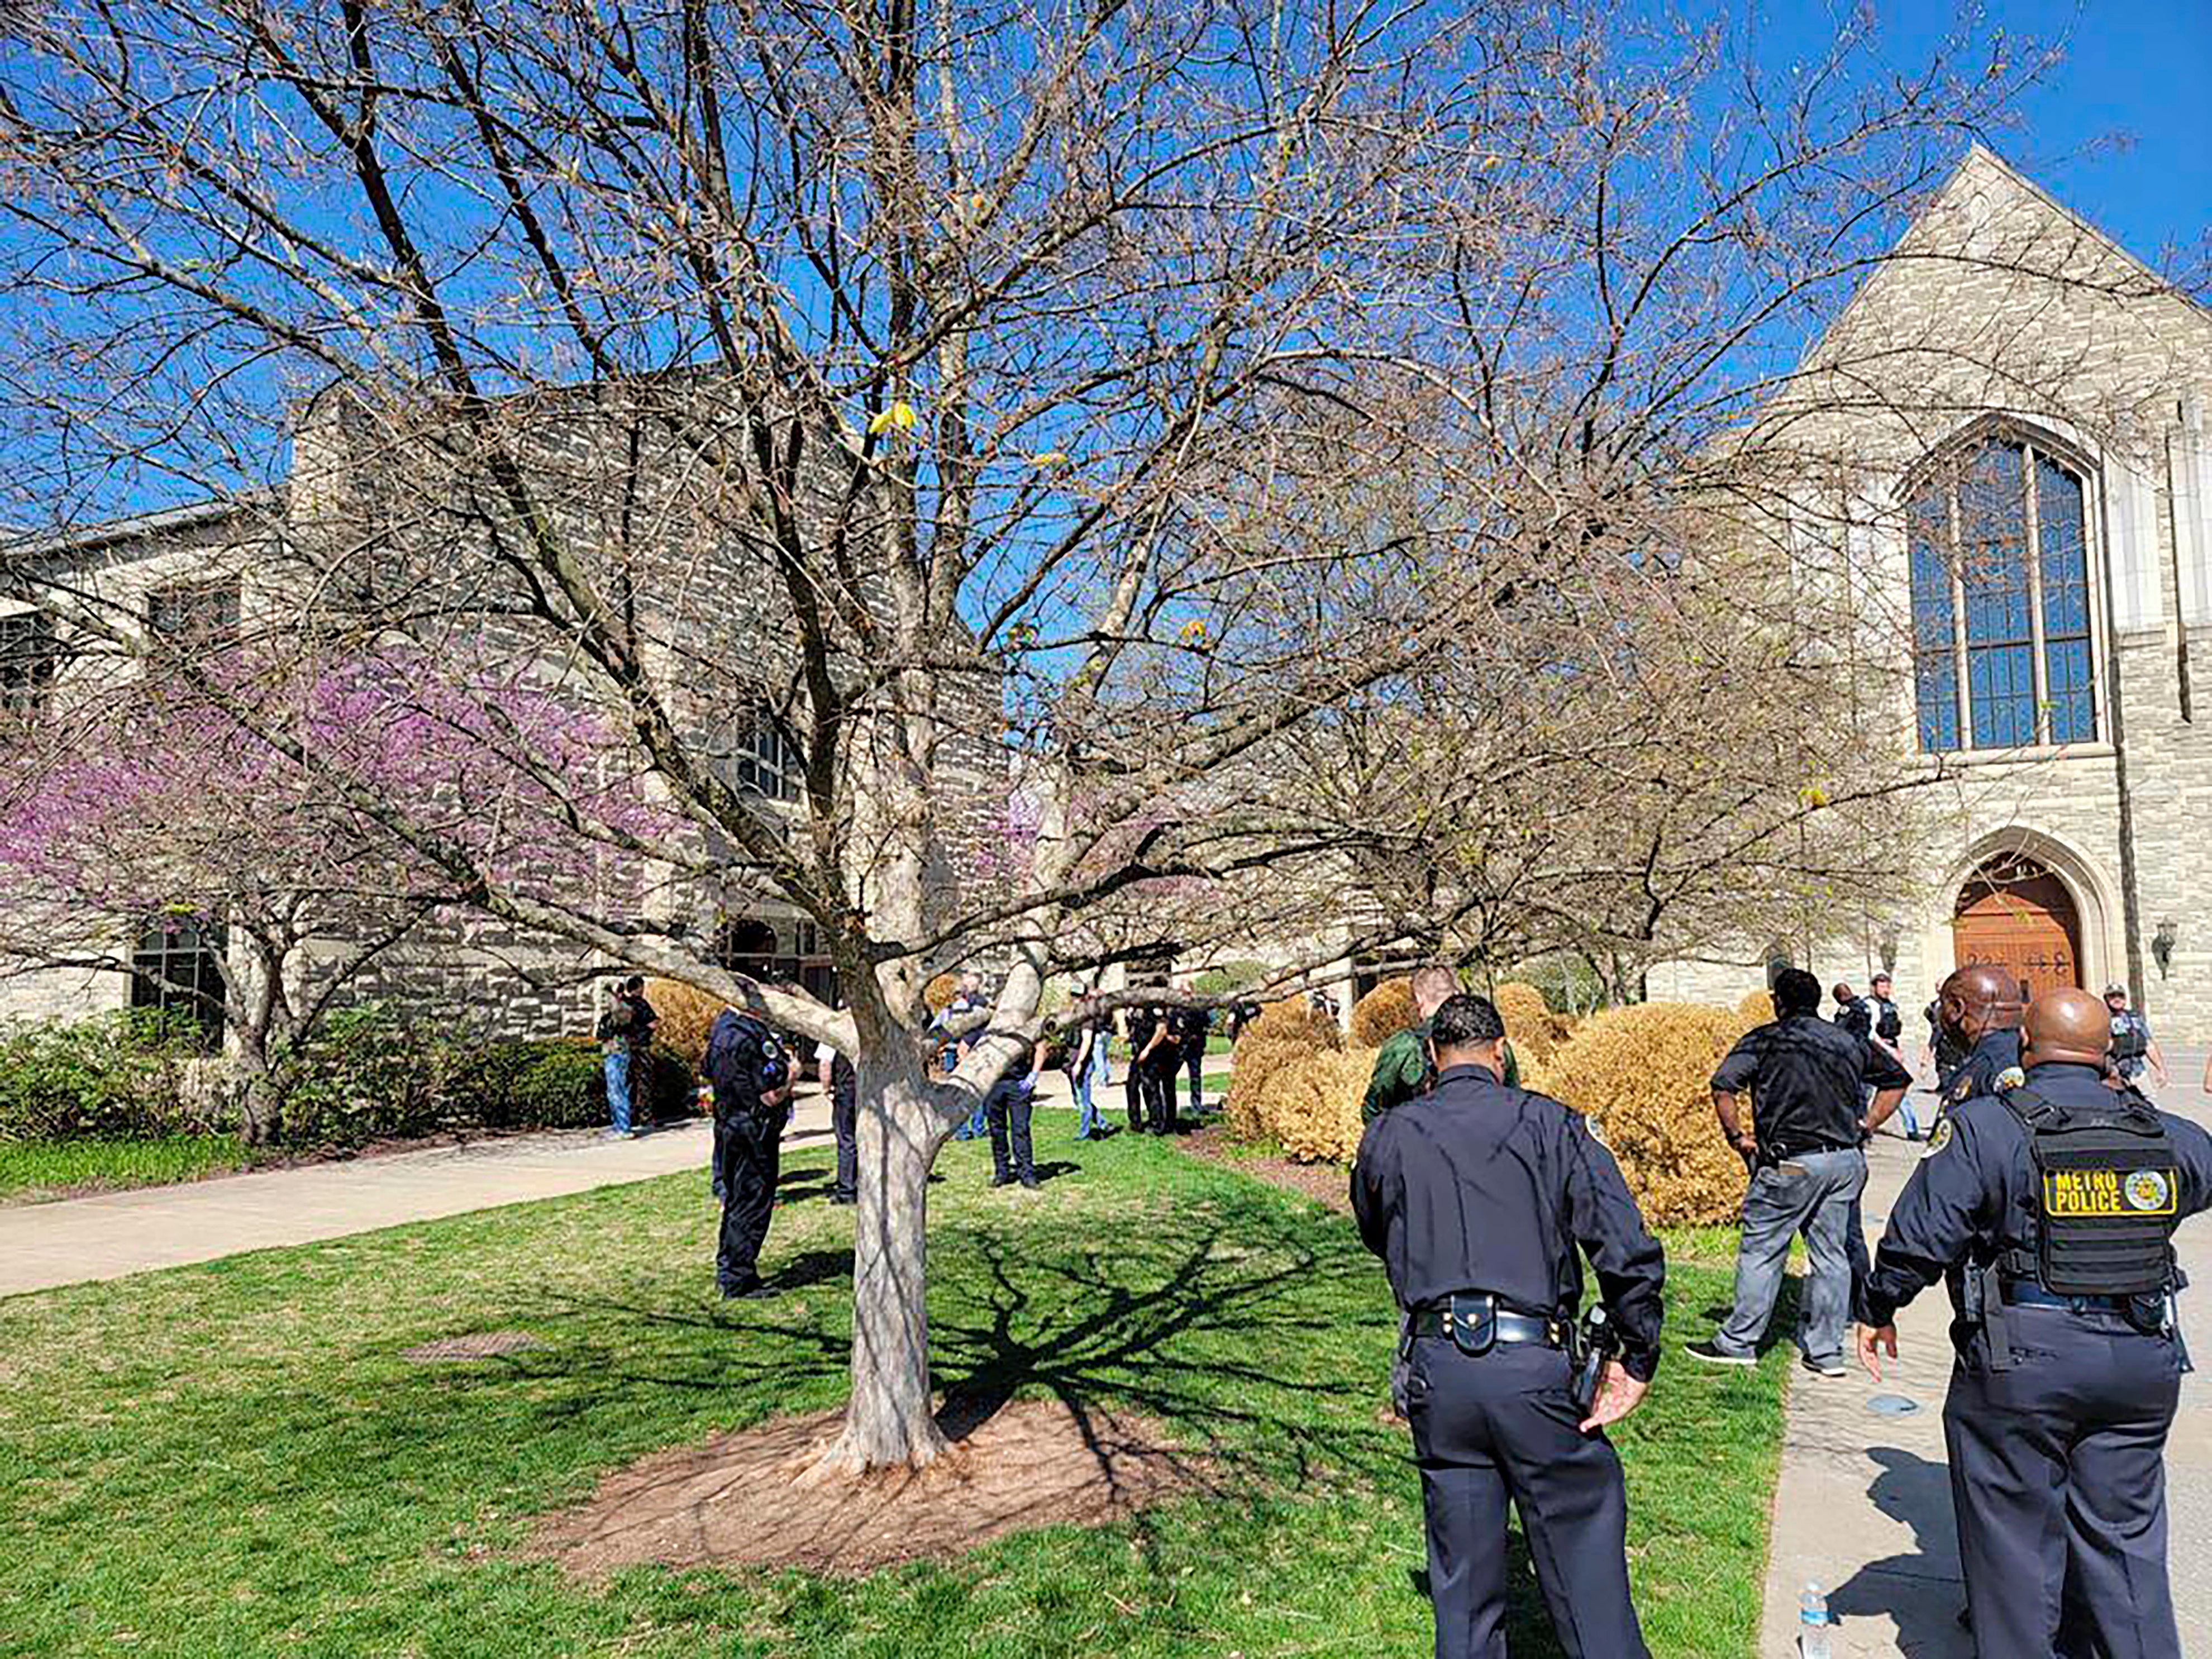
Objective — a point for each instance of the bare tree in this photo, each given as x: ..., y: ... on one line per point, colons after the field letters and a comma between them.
x: 939, y: 443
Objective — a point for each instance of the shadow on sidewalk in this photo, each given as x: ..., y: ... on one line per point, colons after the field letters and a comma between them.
x: 1920, y: 1593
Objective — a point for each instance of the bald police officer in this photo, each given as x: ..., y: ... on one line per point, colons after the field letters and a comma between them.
x: 1979, y: 1009
x: 2050, y: 1209
x: 1478, y: 1199
x: 751, y: 1073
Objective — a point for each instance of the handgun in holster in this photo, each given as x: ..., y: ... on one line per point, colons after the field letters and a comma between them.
x: 1589, y: 1345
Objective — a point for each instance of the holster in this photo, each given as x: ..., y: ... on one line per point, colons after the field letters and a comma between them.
x: 1985, y: 1300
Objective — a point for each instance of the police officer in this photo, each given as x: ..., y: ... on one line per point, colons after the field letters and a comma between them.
x: 1807, y: 1080
x: 2133, y: 1047
x: 2050, y: 1209
x: 1888, y: 1029
x: 1191, y: 1026
x: 1476, y: 1197
x: 1980, y: 1007
x: 751, y: 1077
x: 1156, y: 1066
x: 1139, y: 1024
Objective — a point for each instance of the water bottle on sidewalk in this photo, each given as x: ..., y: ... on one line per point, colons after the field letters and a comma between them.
x: 1812, y: 1624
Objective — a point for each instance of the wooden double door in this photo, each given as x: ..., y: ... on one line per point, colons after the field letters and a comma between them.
x: 2014, y: 914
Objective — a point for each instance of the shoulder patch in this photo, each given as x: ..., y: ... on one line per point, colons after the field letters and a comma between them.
x: 2011, y: 1078
x: 1963, y: 1090
x: 1938, y: 1138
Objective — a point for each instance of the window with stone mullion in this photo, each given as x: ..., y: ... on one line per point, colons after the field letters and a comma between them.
x: 1993, y: 577
x: 2063, y: 565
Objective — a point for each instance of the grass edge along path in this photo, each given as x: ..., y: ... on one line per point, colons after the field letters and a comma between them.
x: 36, y: 1171
x: 234, y: 1458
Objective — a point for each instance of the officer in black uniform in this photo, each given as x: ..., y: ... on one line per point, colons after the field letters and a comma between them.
x: 1477, y: 1198
x: 1138, y: 1024
x: 1191, y: 1026
x: 1980, y: 1007
x: 751, y: 1075
x: 2050, y: 1209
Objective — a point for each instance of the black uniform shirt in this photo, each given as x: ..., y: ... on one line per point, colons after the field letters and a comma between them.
x: 1477, y: 1187
x: 1857, y: 1017
x: 1141, y: 1020
x: 1974, y: 1196
x: 1805, y: 1076
x: 1982, y: 1071
x: 744, y: 1061
x: 1190, y: 1026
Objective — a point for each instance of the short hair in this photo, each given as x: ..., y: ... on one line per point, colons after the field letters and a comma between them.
x: 1879, y: 979
x: 1466, y: 1021
x: 1434, y: 982
x: 1796, y: 992
x: 2111, y: 991
x: 634, y: 982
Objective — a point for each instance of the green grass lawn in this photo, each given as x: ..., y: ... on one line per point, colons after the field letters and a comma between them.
x: 234, y: 1459
x: 34, y: 1169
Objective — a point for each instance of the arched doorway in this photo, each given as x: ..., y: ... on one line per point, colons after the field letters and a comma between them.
x: 2013, y: 913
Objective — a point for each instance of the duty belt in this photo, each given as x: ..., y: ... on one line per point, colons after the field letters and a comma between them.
x: 1476, y: 1324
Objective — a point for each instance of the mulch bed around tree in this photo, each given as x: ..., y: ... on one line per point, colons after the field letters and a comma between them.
x: 1326, y: 1181
x: 746, y: 1500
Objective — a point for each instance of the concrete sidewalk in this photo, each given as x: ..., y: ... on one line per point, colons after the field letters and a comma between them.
x: 71, y: 1241
x: 74, y: 1240
x: 1863, y: 1506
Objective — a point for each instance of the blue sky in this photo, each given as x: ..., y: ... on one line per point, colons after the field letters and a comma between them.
x: 2119, y: 132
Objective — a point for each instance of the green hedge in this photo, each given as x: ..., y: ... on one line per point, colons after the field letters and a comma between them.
x: 366, y: 1074
x: 116, y: 1077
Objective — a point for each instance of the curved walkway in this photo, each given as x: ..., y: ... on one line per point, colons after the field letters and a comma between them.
x: 1863, y: 1506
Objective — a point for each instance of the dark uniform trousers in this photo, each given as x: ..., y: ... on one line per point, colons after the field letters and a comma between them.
x: 748, y: 1154
x: 2058, y: 1480
x: 844, y: 1124
x: 1134, y: 1094
x: 1159, y: 1087
x: 1500, y: 1427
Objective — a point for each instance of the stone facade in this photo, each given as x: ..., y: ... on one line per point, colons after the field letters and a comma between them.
x: 2002, y: 317
x: 384, y: 507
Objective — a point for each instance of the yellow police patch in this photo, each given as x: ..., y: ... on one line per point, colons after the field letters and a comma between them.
x: 2011, y: 1078
x: 2088, y: 1194
x: 1938, y: 1138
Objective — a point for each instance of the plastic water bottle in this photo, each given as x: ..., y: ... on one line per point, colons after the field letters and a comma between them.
x: 1812, y: 1624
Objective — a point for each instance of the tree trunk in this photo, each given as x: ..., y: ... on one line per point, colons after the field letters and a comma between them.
x: 258, y: 1102
x: 890, y: 1421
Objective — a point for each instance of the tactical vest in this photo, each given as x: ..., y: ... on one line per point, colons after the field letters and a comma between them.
x: 2130, y: 1037
x: 2107, y: 1197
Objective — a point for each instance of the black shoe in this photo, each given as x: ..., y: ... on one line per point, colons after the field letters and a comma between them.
x: 751, y: 1289
x: 1030, y: 1181
x: 1714, y: 1355
x: 1002, y: 1180
x: 844, y: 1198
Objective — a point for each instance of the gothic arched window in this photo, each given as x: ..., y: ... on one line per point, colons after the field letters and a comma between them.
x: 2001, y: 654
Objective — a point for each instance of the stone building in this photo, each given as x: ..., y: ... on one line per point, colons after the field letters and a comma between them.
x: 2001, y: 461
x: 396, y: 513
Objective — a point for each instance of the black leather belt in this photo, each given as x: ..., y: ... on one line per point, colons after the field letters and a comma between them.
x: 1472, y: 1314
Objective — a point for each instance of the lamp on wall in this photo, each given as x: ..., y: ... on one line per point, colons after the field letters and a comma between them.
x: 2161, y: 947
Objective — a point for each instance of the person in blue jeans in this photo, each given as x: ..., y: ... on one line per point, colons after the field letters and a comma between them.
x: 1804, y: 1146
x: 625, y: 1035
x: 1088, y: 1071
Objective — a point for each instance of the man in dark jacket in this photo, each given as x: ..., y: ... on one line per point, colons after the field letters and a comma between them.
x: 1980, y: 1007
x: 751, y: 1073
x: 1807, y: 1080
x: 1480, y: 1200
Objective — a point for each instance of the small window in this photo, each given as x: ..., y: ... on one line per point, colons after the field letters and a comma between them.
x: 195, y: 614
x: 29, y: 653
x: 177, y: 968
x: 765, y: 761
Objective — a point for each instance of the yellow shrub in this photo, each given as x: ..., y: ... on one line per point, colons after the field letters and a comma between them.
x: 1294, y: 1017
x: 687, y: 1013
x: 1257, y: 1058
x: 1383, y: 1012
x: 1529, y: 1022
x: 1312, y: 1104
x: 1642, y: 1076
x: 1757, y: 1006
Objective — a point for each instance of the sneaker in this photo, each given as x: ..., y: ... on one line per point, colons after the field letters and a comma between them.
x: 1832, y: 1366
x: 1713, y: 1354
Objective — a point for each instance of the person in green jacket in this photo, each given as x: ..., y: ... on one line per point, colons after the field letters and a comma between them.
x: 1403, y: 1069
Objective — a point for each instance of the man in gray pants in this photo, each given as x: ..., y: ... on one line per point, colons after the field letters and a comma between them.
x: 1804, y: 1146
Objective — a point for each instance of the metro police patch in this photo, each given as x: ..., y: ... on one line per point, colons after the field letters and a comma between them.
x: 2011, y: 1078
x: 1939, y: 1137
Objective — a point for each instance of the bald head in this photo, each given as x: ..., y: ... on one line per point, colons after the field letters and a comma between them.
x: 1975, y: 999
x: 2067, y: 1027
x: 1433, y: 986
